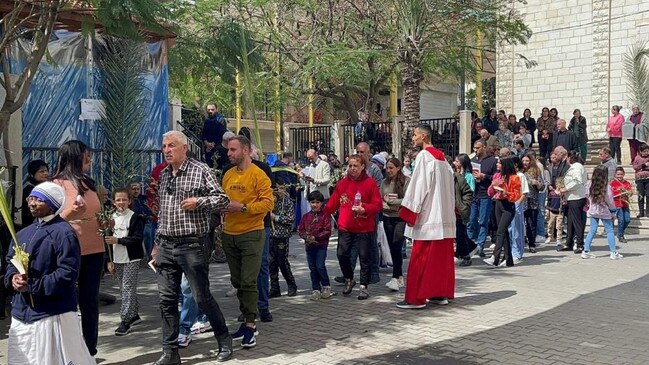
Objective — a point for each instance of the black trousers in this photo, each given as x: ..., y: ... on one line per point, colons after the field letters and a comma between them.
x: 185, y: 255
x: 615, y: 144
x: 363, y: 242
x: 576, y: 220
x: 278, y: 261
x: 394, y: 229
x: 545, y: 146
x: 463, y: 244
x: 531, y: 217
x: 643, y: 190
x: 90, y: 272
x: 505, y: 211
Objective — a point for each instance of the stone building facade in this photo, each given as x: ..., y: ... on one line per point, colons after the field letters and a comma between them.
x: 579, y: 46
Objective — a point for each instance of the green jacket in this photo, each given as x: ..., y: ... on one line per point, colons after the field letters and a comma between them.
x: 463, y: 198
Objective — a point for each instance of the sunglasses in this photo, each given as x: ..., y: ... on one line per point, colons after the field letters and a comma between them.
x: 171, y: 188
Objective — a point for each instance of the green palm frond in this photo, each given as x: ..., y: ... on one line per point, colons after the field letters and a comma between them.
x: 126, y: 100
x: 636, y: 71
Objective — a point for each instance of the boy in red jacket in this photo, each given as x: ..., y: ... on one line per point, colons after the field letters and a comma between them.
x: 622, y: 192
x: 359, y: 201
x: 315, y: 229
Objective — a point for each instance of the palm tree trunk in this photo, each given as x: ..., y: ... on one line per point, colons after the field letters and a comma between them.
x: 412, y: 76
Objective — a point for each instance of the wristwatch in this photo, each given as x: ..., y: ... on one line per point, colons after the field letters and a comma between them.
x: 244, y: 208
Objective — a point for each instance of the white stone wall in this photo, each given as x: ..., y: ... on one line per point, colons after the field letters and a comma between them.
x: 579, y: 46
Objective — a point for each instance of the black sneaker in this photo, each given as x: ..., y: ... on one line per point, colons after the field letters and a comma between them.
x: 292, y: 291
x: 275, y: 294
x: 135, y: 320
x: 242, y: 331
x: 466, y: 261
x: 249, y: 337
x: 578, y: 250
x: 123, y: 329
x: 622, y: 239
x: 340, y: 279
x: 265, y: 316
x: 169, y: 358
x: 240, y: 318
x: 481, y: 253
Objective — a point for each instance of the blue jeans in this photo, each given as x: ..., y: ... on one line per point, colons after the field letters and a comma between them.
x: 190, y: 311
x: 263, y: 279
x: 540, y: 220
x: 149, y: 234
x: 517, y: 231
x: 316, y: 258
x: 623, y: 220
x: 608, y: 227
x: 479, y: 220
x: 177, y: 256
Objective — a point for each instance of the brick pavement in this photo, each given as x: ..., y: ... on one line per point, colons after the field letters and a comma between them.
x: 553, y: 309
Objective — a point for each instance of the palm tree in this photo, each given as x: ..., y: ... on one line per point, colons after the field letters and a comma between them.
x: 413, y: 24
x: 125, y: 107
x: 636, y: 70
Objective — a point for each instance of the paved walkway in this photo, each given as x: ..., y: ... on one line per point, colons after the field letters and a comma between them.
x: 555, y: 308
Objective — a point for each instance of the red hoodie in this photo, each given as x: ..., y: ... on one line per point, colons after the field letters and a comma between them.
x: 343, y: 198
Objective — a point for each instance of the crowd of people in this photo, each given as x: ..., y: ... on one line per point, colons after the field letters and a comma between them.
x: 505, y: 194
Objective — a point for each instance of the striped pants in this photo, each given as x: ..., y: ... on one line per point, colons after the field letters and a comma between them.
x: 127, y: 277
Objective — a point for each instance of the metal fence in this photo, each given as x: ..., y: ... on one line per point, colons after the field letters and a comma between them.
x: 377, y: 135
x: 446, y: 135
x: 305, y: 138
x: 100, y: 163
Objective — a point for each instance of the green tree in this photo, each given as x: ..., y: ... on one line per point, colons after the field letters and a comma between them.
x: 488, y: 95
x: 435, y: 37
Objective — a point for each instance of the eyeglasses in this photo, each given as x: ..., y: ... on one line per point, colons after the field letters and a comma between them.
x: 171, y: 188
x: 34, y: 199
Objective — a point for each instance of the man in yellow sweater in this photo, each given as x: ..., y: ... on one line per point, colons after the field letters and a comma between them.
x: 251, y: 198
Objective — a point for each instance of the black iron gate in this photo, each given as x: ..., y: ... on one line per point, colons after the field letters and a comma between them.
x: 305, y: 138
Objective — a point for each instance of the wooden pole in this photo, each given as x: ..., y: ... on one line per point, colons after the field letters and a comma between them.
x: 237, y: 110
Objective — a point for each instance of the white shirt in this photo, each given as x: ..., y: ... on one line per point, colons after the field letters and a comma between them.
x: 431, y: 195
x: 122, y: 220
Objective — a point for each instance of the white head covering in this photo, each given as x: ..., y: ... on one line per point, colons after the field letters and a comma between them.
x: 379, y: 159
x: 52, y: 194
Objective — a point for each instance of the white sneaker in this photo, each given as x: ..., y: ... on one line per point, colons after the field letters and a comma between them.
x: 492, y: 246
x: 540, y: 245
x: 518, y: 261
x: 184, y: 340
x: 616, y: 256
x: 547, y: 240
x: 559, y: 242
x: 393, y: 284
x: 489, y: 261
x: 200, y: 327
x: 326, y: 292
x: 232, y: 292
x: 587, y: 255
x: 402, y: 283
x: 316, y: 295
x: 539, y: 239
x: 456, y: 260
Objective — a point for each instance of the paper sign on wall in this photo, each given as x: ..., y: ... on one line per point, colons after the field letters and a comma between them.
x: 91, y: 109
